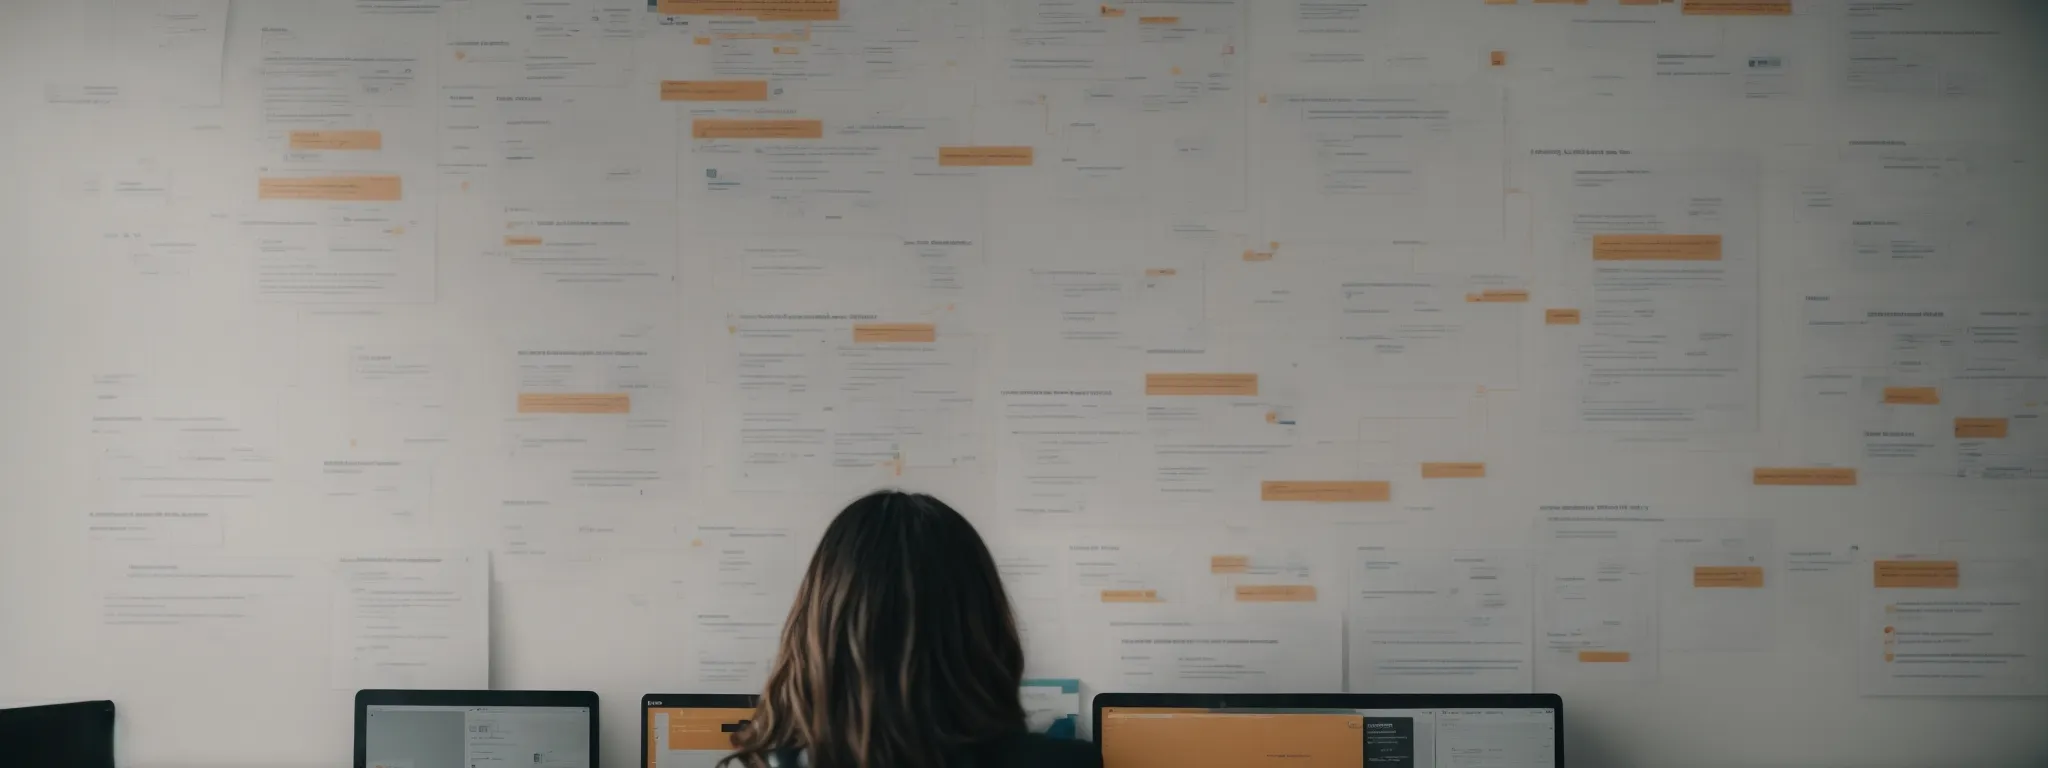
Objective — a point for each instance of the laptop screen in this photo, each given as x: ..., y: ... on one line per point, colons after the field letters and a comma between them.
x: 408, y: 736
x: 1380, y: 738
x: 691, y: 737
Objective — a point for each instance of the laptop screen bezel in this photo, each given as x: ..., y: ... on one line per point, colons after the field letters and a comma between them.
x: 688, y: 701
x: 366, y: 699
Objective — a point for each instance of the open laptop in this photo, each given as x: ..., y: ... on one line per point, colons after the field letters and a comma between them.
x: 691, y: 730
x: 476, y: 729
x: 1160, y: 730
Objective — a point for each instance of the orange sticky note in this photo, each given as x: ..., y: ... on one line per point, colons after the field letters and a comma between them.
x: 701, y: 40
x: 1326, y: 491
x: 1804, y: 476
x: 1258, y: 255
x: 986, y: 157
x: 1982, y: 429
x: 1728, y: 577
x: 1560, y: 317
x: 333, y: 188
x: 1159, y: 20
x: 714, y: 90
x: 1276, y: 593
x: 739, y: 128
x: 1912, y: 396
x: 1230, y: 563
x: 341, y: 141
x: 1453, y: 470
x: 1737, y: 8
x: 1131, y: 596
x: 767, y: 10
x: 594, y: 402
x: 1500, y: 58
x: 519, y: 240
x: 1232, y: 384
x: 895, y: 333
x: 1656, y: 247
x: 1916, y: 574
x: 1603, y: 657
x: 1109, y: 12
x: 1499, y: 296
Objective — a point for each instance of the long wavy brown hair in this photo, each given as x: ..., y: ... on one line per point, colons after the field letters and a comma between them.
x: 900, y: 651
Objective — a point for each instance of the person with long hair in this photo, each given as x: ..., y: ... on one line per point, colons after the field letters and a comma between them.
x: 900, y: 652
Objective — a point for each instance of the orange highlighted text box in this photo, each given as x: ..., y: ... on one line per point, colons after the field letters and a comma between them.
x: 740, y: 128
x: 1499, y: 296
x: 1916, y: 574
x: 1453, y: 470
x: 1276, y: 593
x: 1804, y: 476
x: 1230, y: 563
x: 1131, y: 596
x: 895, y: 333
x: 1603, y: 657
x: 1111, y: 12
x: 766, y: 10
x: 1177, y: 384
x: 1326, y: 491
x: 518, y: 240
x: 371, y: 189
x: 986, y: 157
x: 1736, y: 8
x: 1982, y: 429
x: 1159, y: 20
x: 1912, y: 396
x: 1656, y: 247
x: 592, y: 402
x: 337, y: 140
x: 714, y: 90
x: 1728, y: 577
x: 1561, y: 317
x: 702, y: 729
x: 1197, y: 738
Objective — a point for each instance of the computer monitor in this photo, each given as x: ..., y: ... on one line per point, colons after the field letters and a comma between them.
x: 691, y: 730
x: 476, y: 729
x: 1139, y: 730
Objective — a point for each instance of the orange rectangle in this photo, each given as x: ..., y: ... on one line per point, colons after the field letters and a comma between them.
x: 1728, y: 577
x: 519, y: 240
x: 1603, y: 657
x: 1804, y: 476
x: 1159, y: 20
x: 1168, y: 272
x: 590, y: 402
x: 1499, y: 296
x: 714, y: 90
x: 355, y: 189
x: 895, y: 333
x: 1229, y: 384
x: 1131, y: 596
x: 1500, y: 58
x: 1656, y: 247
x: 1230, y: 563
x: 1258, y: 255
x: 1276, y: 593
x: 986, y: 157
x: 1737, y: 8
x: 1561, y: 317
x: 1916, y: 574
x: 1326, y: 491
x: 340, y: 141
x: 769, y: 10
x: 1982, y: 429
x: 1912, y: 396
x: 1110, y: 12
x: 1453, y: 470
x: 702, y: 729
x: 740, y: 128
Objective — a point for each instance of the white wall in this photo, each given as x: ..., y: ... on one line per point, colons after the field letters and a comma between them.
x: 260, y: 694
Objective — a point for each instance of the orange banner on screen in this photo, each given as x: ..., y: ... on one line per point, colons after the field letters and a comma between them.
x: 1276, y: 593
x: 737, y: 128
x: 1230, y: 384
x: 1499, y: 296
x: 1912, y: 396
x: 1656, y: 247
x: 1131, y: 596
x: 1804, y: 476
x: 986, y: 157
x: 1326, y: 491
x: 1603, y: 657
x: 352, y: 189
x: 1230, y: 564
x: 1983, y: 429
x: 766, y: 10
x: 714, y: 90
x: 1453, y: 470
x: 1728, y: 576
x: 707, y: 729
x: 895, y: 333
x: 1193, y: 738
x: 1917, y: 574
x: 1560, y: 317
x: 594, y: 402
x: 1737, y: 7
x: 337, y: 140
x: 522, y: 240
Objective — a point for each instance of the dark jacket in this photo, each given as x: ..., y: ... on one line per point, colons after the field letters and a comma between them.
x: 1027, y: 750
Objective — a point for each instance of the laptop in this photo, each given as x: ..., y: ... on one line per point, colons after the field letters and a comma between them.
x: 1160, y: 730
x: 691, y: 730
x: 476, y: 729
x: 75, y: 735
